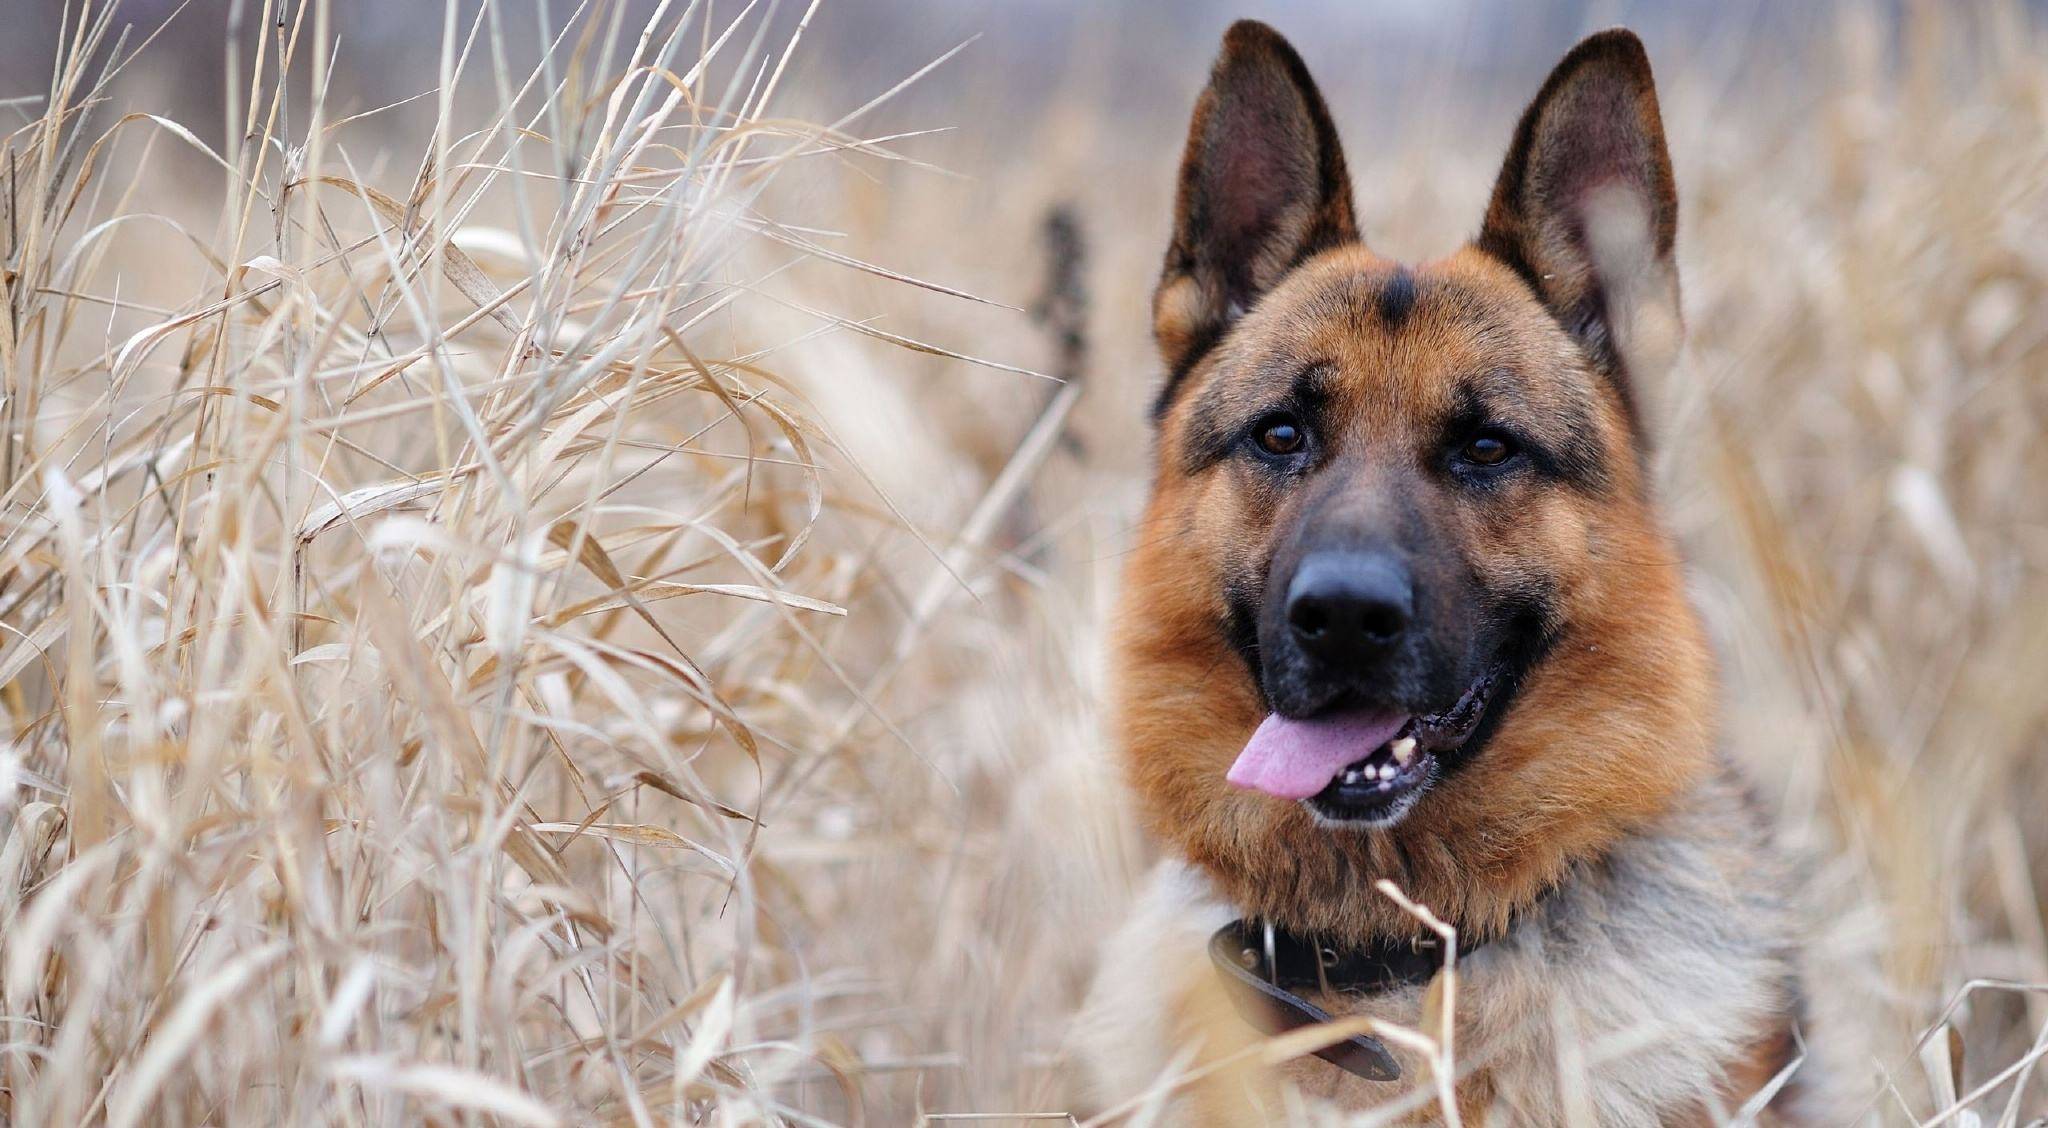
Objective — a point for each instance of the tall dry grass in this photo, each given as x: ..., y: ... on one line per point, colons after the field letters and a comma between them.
x: 524, y: 620
x: 410, y: 617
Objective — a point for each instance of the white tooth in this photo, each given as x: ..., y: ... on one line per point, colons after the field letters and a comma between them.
x: 1384, y: 785
x: 1352, y: 776
x: 1403, y: 750
x: 1386, y: 771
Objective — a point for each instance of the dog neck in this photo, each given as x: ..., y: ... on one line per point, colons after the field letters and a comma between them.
x: 1265, y: 969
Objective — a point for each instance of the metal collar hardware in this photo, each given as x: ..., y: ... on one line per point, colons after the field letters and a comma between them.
x: 1264, y: 967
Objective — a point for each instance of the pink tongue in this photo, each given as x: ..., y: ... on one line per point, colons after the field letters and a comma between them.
x: 1296, y: 759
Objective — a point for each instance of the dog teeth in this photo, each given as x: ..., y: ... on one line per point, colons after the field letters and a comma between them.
x: 1403, y: 750
x: 1381, y: 774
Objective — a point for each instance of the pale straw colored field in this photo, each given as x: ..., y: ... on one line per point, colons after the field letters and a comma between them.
x: 541, y: 618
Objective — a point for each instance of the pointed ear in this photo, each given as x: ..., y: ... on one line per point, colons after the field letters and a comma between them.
x: 1586, y: 209
x: 1262, y: 186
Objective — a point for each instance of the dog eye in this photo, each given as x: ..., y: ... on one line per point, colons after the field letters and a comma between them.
x: 1487, y: 449
x: 1280, y: 434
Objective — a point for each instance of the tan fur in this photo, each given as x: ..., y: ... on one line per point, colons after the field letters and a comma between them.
x: 1598, y: 840
x: 1653, y: 970
x: 1639, y: 688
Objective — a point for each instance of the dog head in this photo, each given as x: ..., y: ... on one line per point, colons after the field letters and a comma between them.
x: 1401, y: 607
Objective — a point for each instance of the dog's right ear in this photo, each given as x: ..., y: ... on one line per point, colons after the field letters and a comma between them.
x: 1262, y: 186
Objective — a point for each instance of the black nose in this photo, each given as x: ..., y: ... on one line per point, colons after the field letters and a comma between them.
x: 1349, y: 605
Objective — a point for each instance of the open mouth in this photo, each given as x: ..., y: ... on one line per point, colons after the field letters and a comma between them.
x: 1364, y: 768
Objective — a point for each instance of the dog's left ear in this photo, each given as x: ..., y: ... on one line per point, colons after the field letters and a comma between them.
x: 1587, y: 212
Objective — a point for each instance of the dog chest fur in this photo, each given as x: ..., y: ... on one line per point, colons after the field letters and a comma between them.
x: 1619, y: 999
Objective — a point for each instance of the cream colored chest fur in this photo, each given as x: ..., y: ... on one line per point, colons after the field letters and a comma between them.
x: 1621, y: 999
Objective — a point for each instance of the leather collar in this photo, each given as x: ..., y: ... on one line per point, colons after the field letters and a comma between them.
x: 1264, y: 967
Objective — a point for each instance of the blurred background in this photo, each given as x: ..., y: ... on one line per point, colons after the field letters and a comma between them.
x: 1852, y: 452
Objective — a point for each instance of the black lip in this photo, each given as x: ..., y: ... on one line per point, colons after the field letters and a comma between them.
x: 1444, y: 741
x: 1366, y: 803
x: 1529, y: 642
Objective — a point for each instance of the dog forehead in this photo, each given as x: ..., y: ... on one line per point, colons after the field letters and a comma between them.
x: 1422, y: 337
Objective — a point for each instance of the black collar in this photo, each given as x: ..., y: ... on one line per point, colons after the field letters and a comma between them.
x: 1264, y: 966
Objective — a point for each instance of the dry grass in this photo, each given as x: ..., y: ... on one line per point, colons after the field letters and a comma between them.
x: 481, y: 641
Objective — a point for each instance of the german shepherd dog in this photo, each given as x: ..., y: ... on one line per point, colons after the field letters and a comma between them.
x: 1402, y: 609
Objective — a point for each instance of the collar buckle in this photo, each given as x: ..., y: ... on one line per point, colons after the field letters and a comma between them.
x: 1252, y: 968
x: 1264, y: 966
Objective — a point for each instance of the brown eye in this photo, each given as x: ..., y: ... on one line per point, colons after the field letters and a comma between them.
x: 1486, y: 450
x: 1281, y: 435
